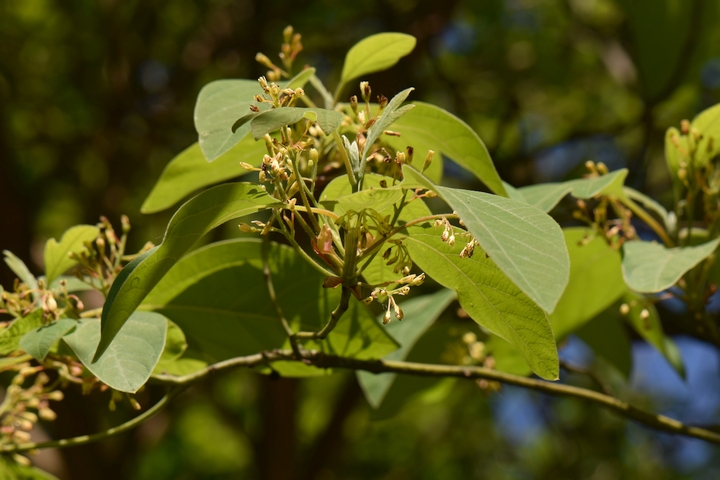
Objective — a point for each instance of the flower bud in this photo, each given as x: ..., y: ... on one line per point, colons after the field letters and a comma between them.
x: 685, y: 127
x: 365, y: 91
x: 409, y: 154
x: 264, y: 61
x: 386, y: 317
x: 624, y: 309
x: 428, y: 160
x: 354, y: 104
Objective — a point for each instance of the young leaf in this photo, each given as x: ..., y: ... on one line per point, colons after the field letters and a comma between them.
x: 57, y: 259
x: 427, y: 127
x: 390, y: 114
x: 20, y: 269
x: 524, y: 242
x: 649, y: 267
x: 209, y: 209
x: 10, y: 337
x: 420, y: 313
x: 595, y: 282
x: 189, y: 171
x: 40, y: 341
x: 489, y: 297
x: 375, y: 53
x: 707, y: 123
x: 545, y: 196
x: 219, y: 105
x: 222, y: 323
x: 128, y: 362
x: 272, y: 120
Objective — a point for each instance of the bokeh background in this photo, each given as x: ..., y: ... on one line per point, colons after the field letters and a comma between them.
x: 97, y: 96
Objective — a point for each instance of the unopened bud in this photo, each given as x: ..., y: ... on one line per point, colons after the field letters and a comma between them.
x: 24, y: 461
x: 125, y: 223
x: 645, y: 314
x: 601, y: 168
x: 386, y: 317
x: 47, y: 414
x: 354, y: 104
x: 382, y: 101
x: 255, y: 108
x: 245, y: 228
x: 288, y: 33
x: 246, y: 166
x: 624, y: 309
x: 399, y: 314
x: 469, y: 338
x: 685, y: 127
x: 265, y: 61
x: 451, y: 240
x: 409, y: 154
x: 590, y: 165
x: 400, y: 158
x: 428, y: 160
x: 365, y: 91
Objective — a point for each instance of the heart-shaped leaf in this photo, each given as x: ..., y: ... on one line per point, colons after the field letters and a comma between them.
x: 57, y: 259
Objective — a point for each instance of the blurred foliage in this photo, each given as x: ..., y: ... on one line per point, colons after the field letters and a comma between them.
x: 96, y: 97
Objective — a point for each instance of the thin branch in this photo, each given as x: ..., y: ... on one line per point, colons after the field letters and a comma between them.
x: 334, y: 317
x: 321, y: 360
x: 85, y: 439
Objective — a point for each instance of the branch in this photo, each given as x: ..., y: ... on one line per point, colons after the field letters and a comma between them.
x: 84, y: 439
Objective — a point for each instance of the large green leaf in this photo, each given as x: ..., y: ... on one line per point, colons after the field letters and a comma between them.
x: 523, y: 241
x: 218, y: 296
x: 420, y: 313
x: 595, y: 281
x: 649, y: 267
x: 10, y: 337
x: 427, y: 127
x: 272, y: 120
x: 209, y: 209
x: 219, y: 105
x: 57, y: 259
x: 20, y: 269
x: 489, y: 297
x: 189, y: 171
x: 40, y: 341
x: 545, y: 196
x: 375, y: 53
x: 128, y: 362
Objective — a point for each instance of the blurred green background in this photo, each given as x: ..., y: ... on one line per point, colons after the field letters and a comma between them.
x: 97, y: 96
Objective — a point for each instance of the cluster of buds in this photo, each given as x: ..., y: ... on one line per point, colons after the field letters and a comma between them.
x: 16, y: 417
x: 448, y: 235
x: 595, y: 169
x: 469, y: 249
x: 23, y: 300
x: 477, y: 355
x: 400, y: 258
x: 382, y: 294
x: 644, y: 316
x: 274, y: 169
x: 276, y: 96
x: 289, y: 50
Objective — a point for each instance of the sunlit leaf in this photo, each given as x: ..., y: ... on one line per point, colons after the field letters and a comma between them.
x: 488, y: 296
x: 523, y: 241
x: 650, y: 267
x: 20, y: 269
x: 427, y: 127
x: 40, y: 341
x: 272, y: 120
x: 10, y: 337
x: 190, y: 171
x: 194, y: 219
x: 130, y: 359
x: 420, y: 313
x: 375, y: 53
x: 57, y: 260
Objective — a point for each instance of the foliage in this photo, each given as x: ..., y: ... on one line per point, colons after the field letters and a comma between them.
x: 345, y: 225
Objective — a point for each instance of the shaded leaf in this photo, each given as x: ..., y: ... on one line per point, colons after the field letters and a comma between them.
x: 375, y: 53
x: 57, y: 260
x: 40, y: 341
x: 420, y: 313
x: 607, y: 336
x: 595, y: 281
x: 427, y: 127
x: 11, y: 470
x: 649, y: 267
x: 209, y: 209
x: 272, y: 120
x: 190, y: 171
x: 10, y: 337
x: 130, y: 359
x: 488, y: 296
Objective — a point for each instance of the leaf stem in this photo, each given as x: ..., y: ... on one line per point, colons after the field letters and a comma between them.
x: 648, y: 219
x: 334, y: 318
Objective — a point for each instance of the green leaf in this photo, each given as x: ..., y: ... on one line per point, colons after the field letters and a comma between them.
x: 507, y: 357
x: 11, y: 470
x: 72, y: 284
x: 10, y: 337
x: 595, y: 281
x: 209, y: 209
x: 130, y: 359
x: 523, y: 241
x: 189, y: 171
x: 219, y: 105
x: 649, y: 327
x: 649, y: 267
x: 420, y: 313
x: 40, y: 341
x: 427, y: 127
x: 57, y: 260
x: 545, y: 196
x: 20, y: 269
x: 221, y: 322
x: 708, y: 124
x: 608, y: 338
x: 390, y: 114
x: 488, y: 296
x: 272, y: 120
x: 299, y: 80
x: 375, y: 53
x: 675, y: 158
